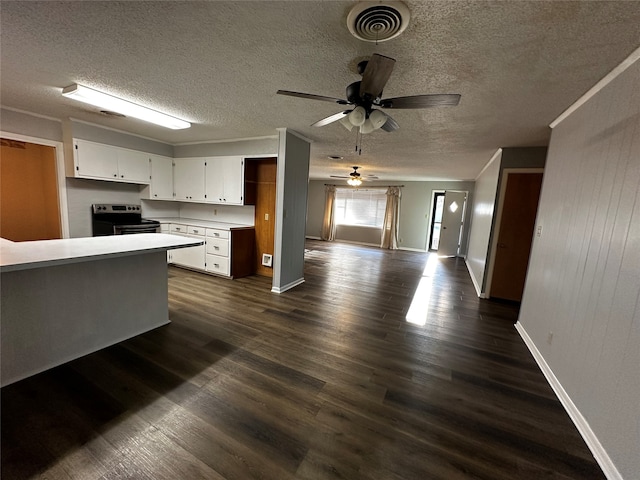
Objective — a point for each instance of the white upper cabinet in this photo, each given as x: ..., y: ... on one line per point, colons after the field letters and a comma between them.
x: 106, y: 162
x: 161, y: 177
x: 189, y: 179
x: 94, y: 160
x: 225, y: 180
x: 133, y: 166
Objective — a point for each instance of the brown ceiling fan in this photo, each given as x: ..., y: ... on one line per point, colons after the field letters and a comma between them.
x: 366, y: 94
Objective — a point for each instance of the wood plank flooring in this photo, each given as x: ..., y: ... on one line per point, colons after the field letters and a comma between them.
x: 326, y: 381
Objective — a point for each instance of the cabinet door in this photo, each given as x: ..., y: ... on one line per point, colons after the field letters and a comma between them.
x: 94, y: 160
x: 233, y: 168
x: 215, y: 179
x: 225, y: 180
x: 189, y: 178
x: 192, y: 257
x: 133, y: 166
x: 161, y: 177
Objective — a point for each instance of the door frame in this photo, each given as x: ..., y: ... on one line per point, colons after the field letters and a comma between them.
x: 60, y: 173
x: 498, y: 217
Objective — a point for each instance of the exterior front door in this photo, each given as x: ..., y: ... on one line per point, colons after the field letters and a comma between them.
x: 451, y: 229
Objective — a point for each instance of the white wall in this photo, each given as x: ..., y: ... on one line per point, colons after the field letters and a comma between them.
x: 583, y: 283
x: 34, y: 126
x: 291, y: 210
x: 482, y: 220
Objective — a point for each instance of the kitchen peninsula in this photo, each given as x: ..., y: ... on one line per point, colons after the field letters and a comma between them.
x: 63, y: 299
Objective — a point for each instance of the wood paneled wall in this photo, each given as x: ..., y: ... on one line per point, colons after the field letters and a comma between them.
x: 29, y: 207
x: 581, y: 307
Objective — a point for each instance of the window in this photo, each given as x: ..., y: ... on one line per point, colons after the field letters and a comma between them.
x: 362, y: 207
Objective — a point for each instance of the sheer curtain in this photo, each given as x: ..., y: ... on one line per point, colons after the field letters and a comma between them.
x: 391, y: 216
x: 329, y: 221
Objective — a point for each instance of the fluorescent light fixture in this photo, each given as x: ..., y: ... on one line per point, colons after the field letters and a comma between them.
x: 103, y: 100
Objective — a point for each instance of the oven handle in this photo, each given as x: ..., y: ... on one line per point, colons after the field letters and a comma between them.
x: 131, y: 229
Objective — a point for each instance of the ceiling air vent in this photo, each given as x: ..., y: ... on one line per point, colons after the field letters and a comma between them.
x: 378, y: 21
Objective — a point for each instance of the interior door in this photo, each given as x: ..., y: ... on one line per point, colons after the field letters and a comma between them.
x: 451, y: 227
x: 515, y: 234
x: 29, y: 207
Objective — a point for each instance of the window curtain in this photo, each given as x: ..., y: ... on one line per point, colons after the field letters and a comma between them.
x: 391, y: 217
x: 329, y: 221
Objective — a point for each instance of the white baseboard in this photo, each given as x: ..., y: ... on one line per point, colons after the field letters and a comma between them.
x: 598, y: 451
x: 288, y: 286
x: 474, y: 281
x: 408, y: 249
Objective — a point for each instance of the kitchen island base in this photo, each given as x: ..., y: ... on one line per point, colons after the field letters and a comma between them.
x: 54, y: 314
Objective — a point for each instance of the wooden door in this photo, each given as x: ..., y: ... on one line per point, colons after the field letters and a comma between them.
x: 517, y: 223
x: 263, y: 175
x: 29, y: 206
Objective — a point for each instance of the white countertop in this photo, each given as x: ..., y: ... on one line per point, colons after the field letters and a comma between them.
x: 45, y: 253
x: 201, y: 223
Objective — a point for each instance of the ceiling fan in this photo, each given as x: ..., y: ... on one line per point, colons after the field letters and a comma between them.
x: 355, y: 178
x: 367, y: 94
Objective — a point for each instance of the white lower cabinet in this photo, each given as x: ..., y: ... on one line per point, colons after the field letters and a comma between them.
x: 218, y: 260
x: 229, y: 253
x: 192, y: 257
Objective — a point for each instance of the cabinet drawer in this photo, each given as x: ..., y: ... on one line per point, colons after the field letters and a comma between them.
x: 218, y: 246
x: 178, y: 228
x: 218, y: 264
x: 195, y: 230
x: 215, y: 233
x: 165, y: 228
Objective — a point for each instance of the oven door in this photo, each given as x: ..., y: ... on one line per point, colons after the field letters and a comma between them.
x: 131, y: 229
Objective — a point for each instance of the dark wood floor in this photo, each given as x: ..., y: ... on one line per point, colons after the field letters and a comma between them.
x: 326, y: 381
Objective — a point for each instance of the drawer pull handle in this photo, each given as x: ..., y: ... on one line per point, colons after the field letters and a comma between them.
x: 216, y: 248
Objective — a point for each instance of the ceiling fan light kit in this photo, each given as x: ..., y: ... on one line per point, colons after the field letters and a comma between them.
x: 124, y: 107
x: 357, y: 116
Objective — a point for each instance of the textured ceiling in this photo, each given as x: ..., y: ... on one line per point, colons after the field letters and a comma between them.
x: 517, y: 65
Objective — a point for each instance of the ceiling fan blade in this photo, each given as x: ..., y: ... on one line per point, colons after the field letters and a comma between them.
x: 422, y: 101
x: 330, y: 119
x: 376, y: 75
x: 339, y: 176
x: 311, y: 96
x: 390, y: 125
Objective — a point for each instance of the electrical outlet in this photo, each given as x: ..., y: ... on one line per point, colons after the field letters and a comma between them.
x: 215, y: 211
x: 550, y: 338
x: 539, y: 231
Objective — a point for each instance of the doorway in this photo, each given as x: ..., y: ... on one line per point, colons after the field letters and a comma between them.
x: 29, y: 195
x: 436, y: 221
x: 262, y: 176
